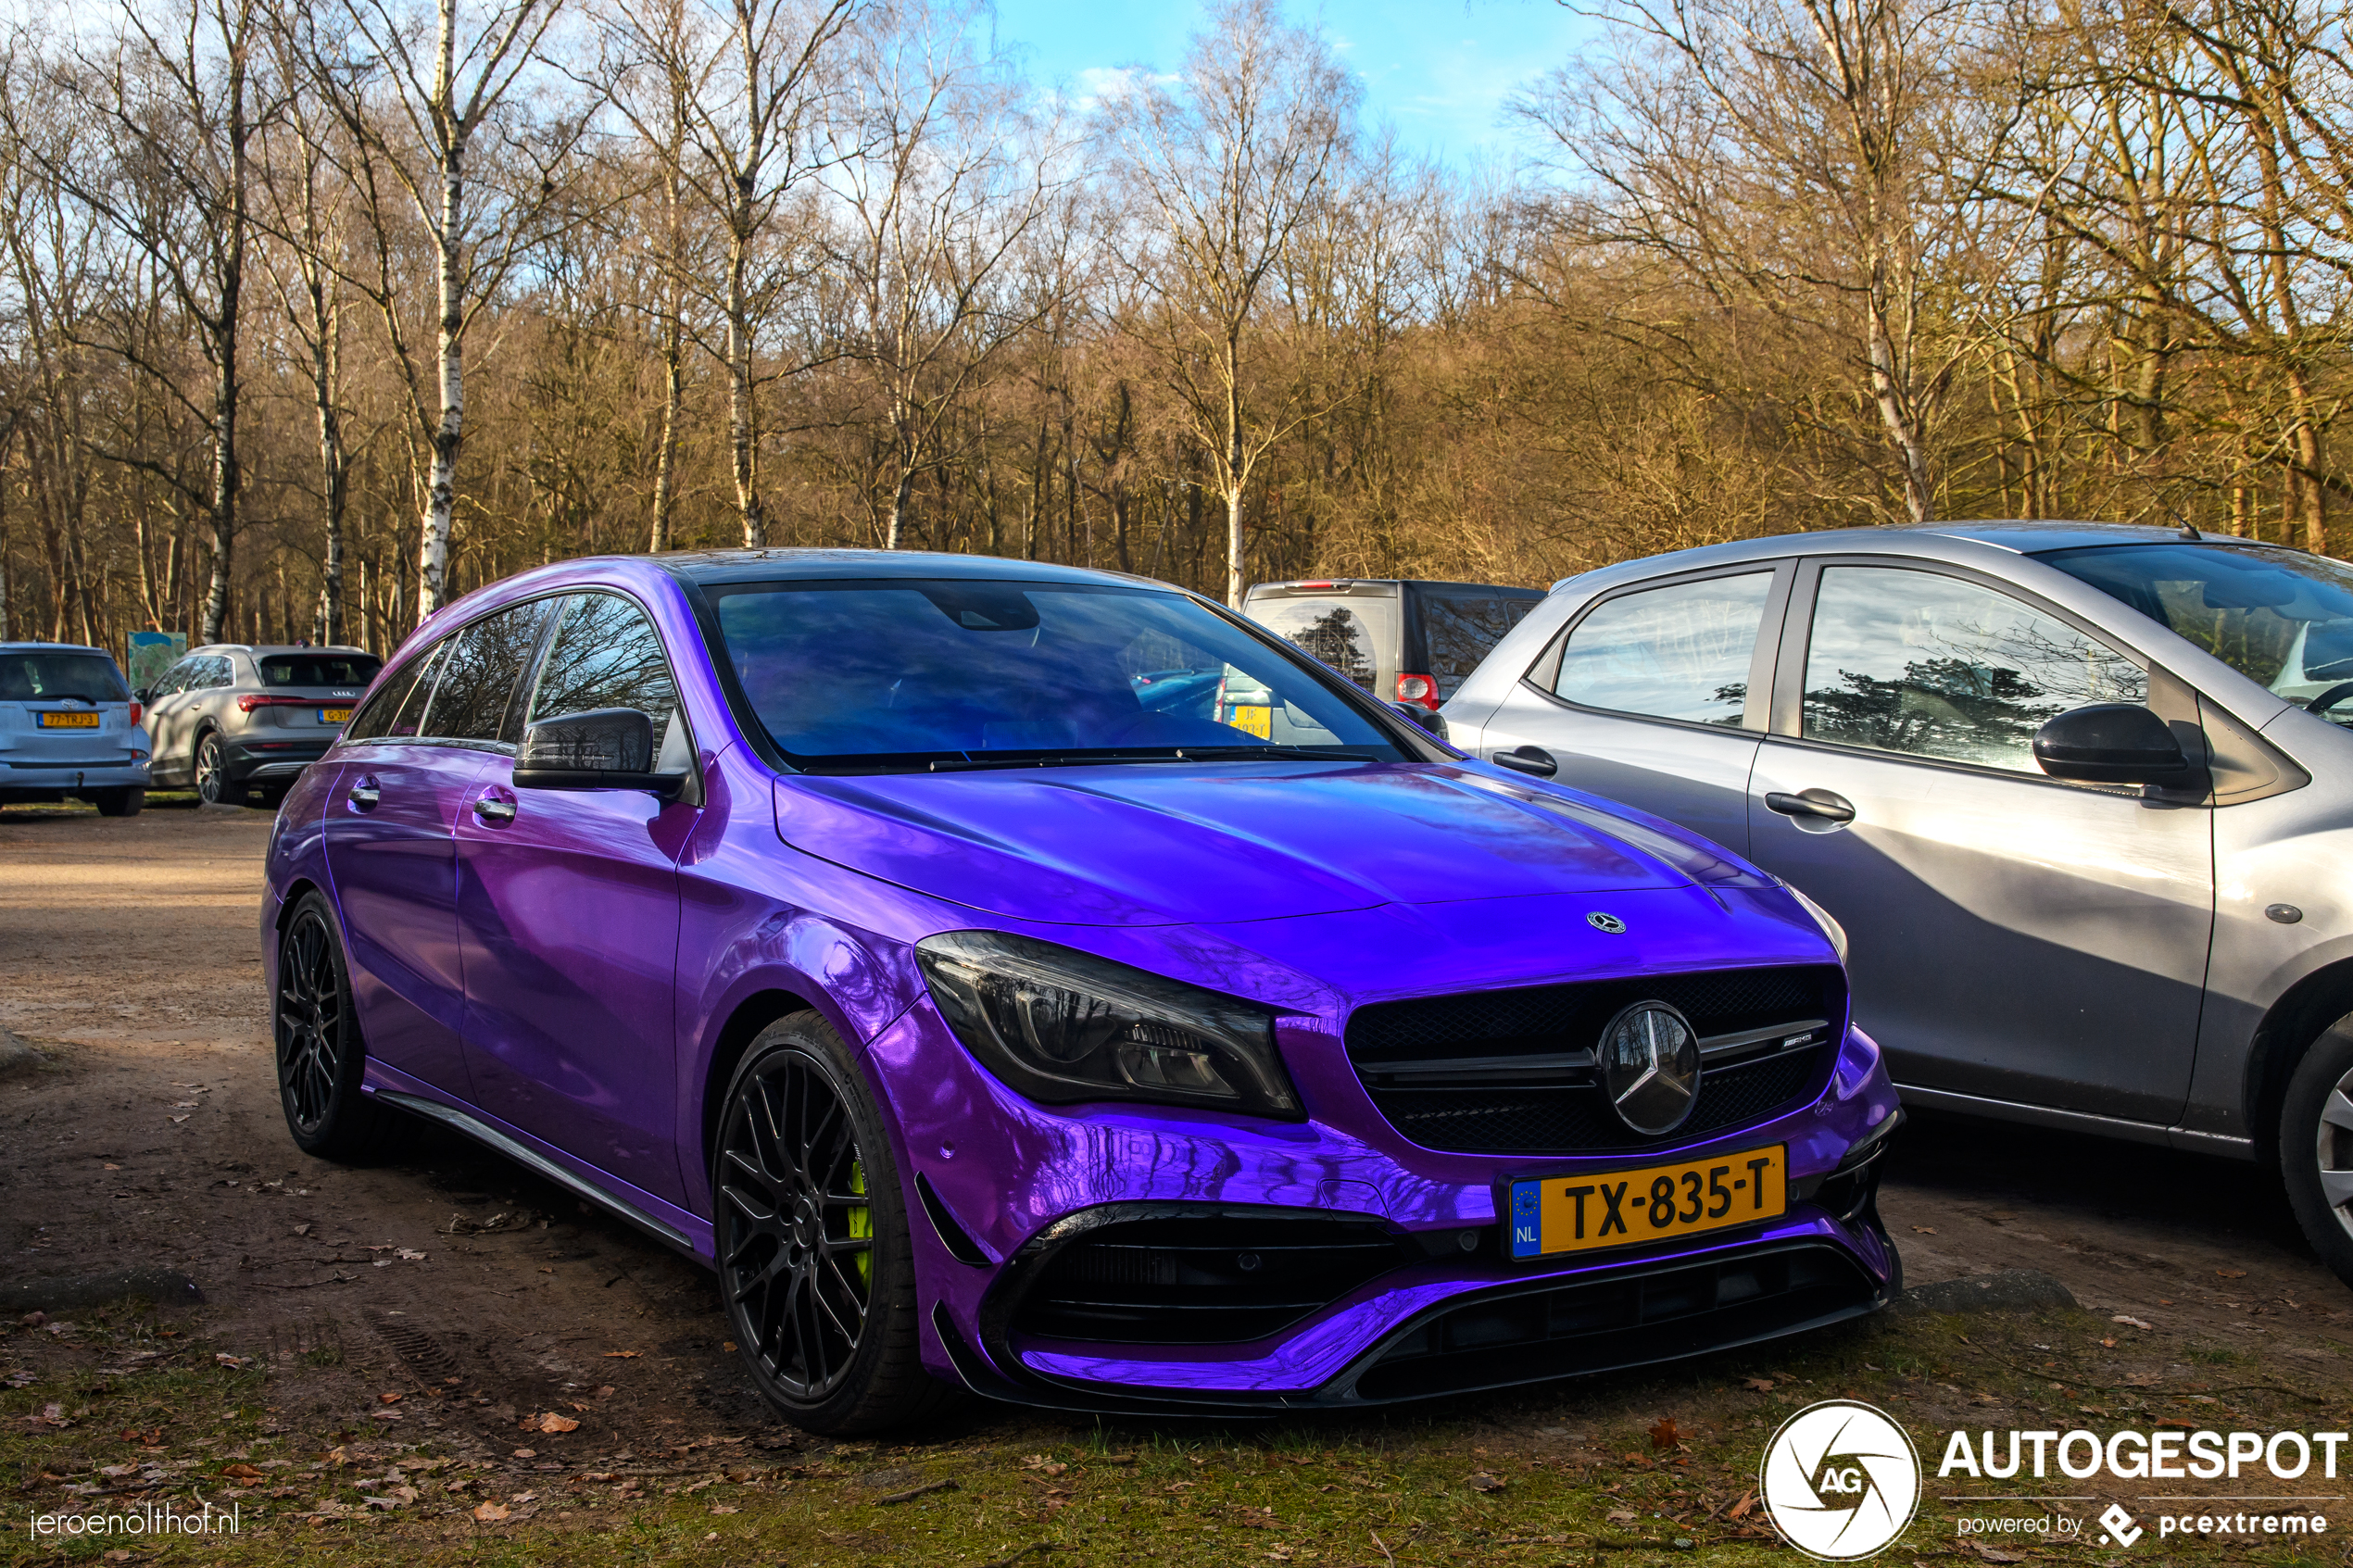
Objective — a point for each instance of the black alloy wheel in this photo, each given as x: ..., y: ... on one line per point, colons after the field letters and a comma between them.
x: 212, y: 771
x: 321, y: 1059
x: 814, y: 1260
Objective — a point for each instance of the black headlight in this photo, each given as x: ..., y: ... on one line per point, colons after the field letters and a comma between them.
x: 1065, y: 1027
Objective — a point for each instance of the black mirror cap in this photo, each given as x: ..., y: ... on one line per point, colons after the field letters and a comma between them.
x: 1434, y: 723
x: 603, y: 748
x: 2120, y: 743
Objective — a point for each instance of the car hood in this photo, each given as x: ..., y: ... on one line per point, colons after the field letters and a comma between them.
x: 1180, y: 843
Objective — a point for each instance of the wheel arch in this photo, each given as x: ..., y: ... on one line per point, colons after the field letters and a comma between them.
x: 751, y: 1014
x: 2301, y: 1015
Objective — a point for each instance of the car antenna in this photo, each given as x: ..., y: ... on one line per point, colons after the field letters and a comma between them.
x: 2188, y: 530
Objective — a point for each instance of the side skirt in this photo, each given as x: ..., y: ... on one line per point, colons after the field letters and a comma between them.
x: 2187, y: 1140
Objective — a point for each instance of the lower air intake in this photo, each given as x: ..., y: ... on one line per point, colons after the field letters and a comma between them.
x: 1627, y: 1319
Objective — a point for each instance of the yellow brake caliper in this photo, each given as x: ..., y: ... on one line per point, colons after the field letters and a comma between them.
x: 862, y: 1223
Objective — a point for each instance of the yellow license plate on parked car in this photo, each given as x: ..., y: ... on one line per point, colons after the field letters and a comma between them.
x: 335, y: 716
x: 69, y: 720
x: 1582, y: 1213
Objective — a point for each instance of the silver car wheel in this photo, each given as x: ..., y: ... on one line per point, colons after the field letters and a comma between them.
x: 212, y: 778
x: 2334, y: 1149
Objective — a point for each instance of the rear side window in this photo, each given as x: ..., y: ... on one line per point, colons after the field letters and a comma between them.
x: 606, y: 654
x: 1935, y: 667
x: 53, y: 677
x: 1460, y: 628
x: 319, y: 670
x: 1346, y: 634
x: 472, y: 700
x: 392, y: 709
x: 217, y: 671
x: 1678, y: 652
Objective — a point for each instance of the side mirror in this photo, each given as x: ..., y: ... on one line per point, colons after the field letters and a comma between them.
x: 2110, y: 743
x: 141, y: 696
x: 606, y: 748
x: 1423, y: 717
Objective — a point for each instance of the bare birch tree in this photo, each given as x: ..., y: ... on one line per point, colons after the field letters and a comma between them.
x: 1228, y: 168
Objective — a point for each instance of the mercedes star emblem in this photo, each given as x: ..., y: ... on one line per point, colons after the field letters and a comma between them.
x: 1606, y: 923
x: 1650, y: 1067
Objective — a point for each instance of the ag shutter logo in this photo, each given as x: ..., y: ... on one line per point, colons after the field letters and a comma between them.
x: 1840, y: 1480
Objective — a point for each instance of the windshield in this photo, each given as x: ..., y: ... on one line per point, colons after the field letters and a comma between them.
x: 866, y: 675
x: 54, y: 677
x: 320, y: 670
x: 2281, y: 618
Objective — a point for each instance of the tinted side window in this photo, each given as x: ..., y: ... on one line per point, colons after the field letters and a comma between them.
x: 1461, y: 629
x: 218, y: 671
x: 383, y: 713
x: 173, y: 680
x: 1931, y: 666
x: 606, y: 654
x: 1678, y: 652
x: 477, y: 685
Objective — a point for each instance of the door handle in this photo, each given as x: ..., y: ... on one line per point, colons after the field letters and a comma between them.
x: 365, y: 794
x: 1820, y: 804
x: 1528, y: 760
x: 491, y: 811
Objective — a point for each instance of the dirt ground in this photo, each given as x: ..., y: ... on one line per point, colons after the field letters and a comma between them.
x: 486, y: 1299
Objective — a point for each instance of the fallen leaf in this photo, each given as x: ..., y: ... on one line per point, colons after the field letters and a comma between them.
x: 1484, y: 1482
x: 302, y: 1230
x: 114, y: 1167
x: 2109, y: 1342
x: 623, y: 1355
x: 1761, y: 1385
x: 1740, y: 1508
x: 491, y: 1512
x: 1621, y: 1516
x: 1925, y: 1230
x: 2229, y: 1274
x: 1663, y: 1434
x: 526, y: 1453
x: 551, y: 1422
x: 724, y: 1508
x: 246, y: 1474
x: 2134, y: 1322
x: 390, y: 1399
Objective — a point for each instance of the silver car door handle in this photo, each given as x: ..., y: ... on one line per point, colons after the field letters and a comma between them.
x: 365, y: 793
x: 1817, y: 803
x: 1528, y: 759
x: 491, y: 811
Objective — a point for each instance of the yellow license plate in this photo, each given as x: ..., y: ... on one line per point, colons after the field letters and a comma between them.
x: 1583, y: 1213
x: 335, y: 716
x: 1259, y: 721
x: 69, y: 720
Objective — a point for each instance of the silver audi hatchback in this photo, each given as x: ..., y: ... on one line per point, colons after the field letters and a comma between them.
x: 2081, y: 794
x: 235, y: 719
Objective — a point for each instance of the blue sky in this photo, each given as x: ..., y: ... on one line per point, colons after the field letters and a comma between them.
x: 1439, y: 70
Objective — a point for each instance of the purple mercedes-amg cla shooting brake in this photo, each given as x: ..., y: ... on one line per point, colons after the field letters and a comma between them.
x: 1045, y: 983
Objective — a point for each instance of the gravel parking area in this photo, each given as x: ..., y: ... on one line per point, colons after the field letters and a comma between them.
x: 439, y: 1307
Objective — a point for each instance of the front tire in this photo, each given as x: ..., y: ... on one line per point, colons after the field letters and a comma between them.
x: 815, y: 1263
x: 212, y: 771
x: 321, y: 1056
x: 2316, y: 1146
x: 125, y: 802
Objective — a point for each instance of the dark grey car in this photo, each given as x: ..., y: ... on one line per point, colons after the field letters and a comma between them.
x: 2081, y: 794
x: 235, y: 719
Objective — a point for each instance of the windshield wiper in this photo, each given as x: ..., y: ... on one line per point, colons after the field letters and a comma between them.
x: 1281, y: 753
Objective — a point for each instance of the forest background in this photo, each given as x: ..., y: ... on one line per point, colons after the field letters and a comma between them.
x: 317, y: 313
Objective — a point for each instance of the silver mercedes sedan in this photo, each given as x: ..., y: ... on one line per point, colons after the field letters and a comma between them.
x: 2080, y: 794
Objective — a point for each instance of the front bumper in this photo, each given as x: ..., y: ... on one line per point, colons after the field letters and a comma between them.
x: 1005, y: 1186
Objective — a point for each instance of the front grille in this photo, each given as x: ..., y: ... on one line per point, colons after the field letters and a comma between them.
x: 1625, y: 1321
x: 1206, y: 1281
x: 1511, y: 1071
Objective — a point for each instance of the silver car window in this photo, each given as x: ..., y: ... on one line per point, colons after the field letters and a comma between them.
x: 1678, y: 652
x: 1346, y: 634
x: 1931, y: 666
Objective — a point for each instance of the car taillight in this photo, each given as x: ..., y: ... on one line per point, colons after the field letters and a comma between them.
x: 252, y: 700
x: 1421, y: 690
x: 136, y: 711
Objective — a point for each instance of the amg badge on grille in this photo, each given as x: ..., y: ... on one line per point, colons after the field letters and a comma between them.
x: 1650, y: 1067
